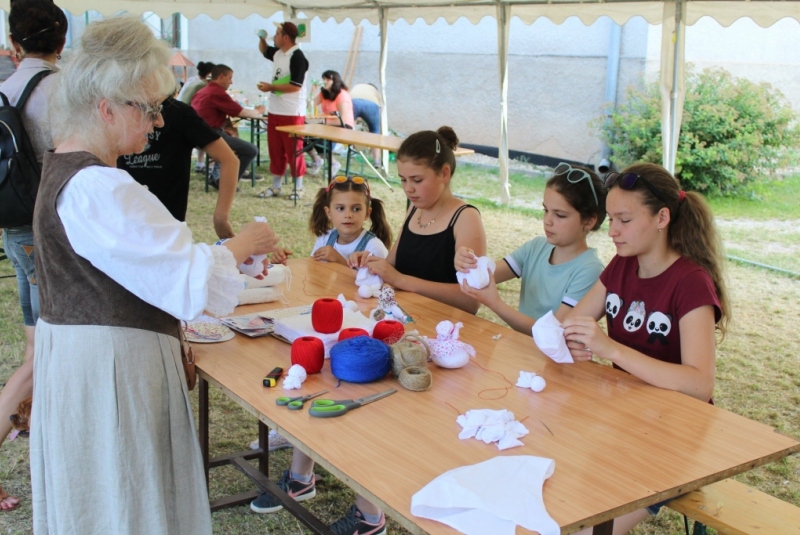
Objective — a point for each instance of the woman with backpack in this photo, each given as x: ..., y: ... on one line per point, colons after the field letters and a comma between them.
x: 38, y: 33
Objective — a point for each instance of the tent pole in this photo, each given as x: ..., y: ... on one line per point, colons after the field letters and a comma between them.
x: 503, y: 23
x: 674, y: 128
x: 383, y: 25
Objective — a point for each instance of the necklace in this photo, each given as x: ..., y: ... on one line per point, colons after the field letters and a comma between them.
x: 429, y: 223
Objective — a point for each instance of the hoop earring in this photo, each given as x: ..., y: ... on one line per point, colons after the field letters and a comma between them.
x: 58, y: 56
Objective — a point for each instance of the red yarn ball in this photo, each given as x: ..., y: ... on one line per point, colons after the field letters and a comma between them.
x: 389, y: 331
x: 351, y: 332
x: 327, y: 315
x: 308, y: 352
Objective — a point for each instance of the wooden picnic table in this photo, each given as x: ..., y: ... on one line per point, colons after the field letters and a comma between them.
x: 618, y: 443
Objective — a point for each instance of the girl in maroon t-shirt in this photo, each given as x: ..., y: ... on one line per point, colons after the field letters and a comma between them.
x: 663, y: 295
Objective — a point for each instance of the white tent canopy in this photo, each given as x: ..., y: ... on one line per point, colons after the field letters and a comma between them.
x: 673, y: 15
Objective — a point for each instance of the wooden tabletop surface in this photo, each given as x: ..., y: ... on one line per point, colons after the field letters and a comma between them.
x: 618, y: 444
x: 353, y: 137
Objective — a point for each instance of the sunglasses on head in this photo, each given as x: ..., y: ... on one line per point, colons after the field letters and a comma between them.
x: 576, y: 175
x: 355, y: 179
x: 627, y: 181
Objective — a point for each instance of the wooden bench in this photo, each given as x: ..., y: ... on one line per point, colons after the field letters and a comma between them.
x: 733, y: 508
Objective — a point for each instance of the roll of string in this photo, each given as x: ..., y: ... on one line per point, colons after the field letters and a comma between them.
x: 351, y: 332
x: 411, y: 350
x: 308, y: 352
x: 416, y: 378
x: 327, y: 315
x: 389, y: 331
x: 360, y: 360
x: 409, y: 363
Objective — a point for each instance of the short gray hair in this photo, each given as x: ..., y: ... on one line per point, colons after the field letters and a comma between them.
x: 118, y: 59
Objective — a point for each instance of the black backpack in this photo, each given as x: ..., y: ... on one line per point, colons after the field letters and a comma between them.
x: 20, y: 171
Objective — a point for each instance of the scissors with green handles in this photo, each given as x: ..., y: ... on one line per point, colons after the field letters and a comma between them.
x: 328, y: 408
x: 296, y: 403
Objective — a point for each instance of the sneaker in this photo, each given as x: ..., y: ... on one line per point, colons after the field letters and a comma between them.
x: 335, y: 166
x: 276, y: 442
x: 269, y: 192
x: 199, y: 168
x: 353, y: 523
x: 297, y: 490
x: 314, y: 168
x: 295, y: 195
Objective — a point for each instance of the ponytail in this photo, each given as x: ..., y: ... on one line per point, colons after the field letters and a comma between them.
x: 319, y: 223
x: 380, y: 226
x: 693, y: 234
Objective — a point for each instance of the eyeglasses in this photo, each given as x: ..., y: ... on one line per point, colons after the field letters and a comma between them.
x: 627, y: 181
x: 576, y: 175
x: 151, y: 112
x: 341, y: 179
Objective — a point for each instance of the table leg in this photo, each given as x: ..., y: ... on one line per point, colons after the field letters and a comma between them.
x: 203, y: 431
x: 347, y: 164
x: 263, y: 442
x: 606, y: 528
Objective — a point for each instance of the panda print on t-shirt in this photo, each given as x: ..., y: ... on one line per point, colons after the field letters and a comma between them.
x: 658, y: 324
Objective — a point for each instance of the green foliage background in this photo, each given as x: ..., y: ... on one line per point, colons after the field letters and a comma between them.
x: 733, y: 132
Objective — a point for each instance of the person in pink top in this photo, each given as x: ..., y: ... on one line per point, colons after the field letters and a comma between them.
x: 332, y: 98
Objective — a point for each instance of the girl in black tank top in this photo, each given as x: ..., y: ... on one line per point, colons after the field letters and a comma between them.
x: 428, y: 257
x: 422, y: 261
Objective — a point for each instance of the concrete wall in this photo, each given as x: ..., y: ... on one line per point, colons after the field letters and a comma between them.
x: 556, y: 74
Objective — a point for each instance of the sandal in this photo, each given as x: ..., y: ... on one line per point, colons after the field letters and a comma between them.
x: 269, y: 192
x: 7, y: 502
x: 295, y: 195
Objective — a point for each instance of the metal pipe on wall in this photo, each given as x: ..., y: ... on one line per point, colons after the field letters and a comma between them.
x: 612, y: 84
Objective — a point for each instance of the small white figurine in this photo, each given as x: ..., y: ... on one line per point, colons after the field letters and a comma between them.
x: 447, y: 350
x: 388, y: 309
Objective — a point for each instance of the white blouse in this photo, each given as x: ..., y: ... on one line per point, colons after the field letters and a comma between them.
x: 124, y: 231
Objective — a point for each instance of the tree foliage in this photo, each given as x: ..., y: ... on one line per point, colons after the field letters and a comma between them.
x: 733, y: 132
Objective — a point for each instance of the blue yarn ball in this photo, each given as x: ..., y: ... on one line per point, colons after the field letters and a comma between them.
x: 360, y: 360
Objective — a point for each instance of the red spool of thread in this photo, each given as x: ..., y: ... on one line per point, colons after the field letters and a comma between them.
x: 308, y: 352
x: 389, y: 331
x: 351, y: 332
x: 327, y: 315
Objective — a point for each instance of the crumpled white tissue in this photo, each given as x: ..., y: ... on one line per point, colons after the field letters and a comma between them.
x: 352, y: 306
x: 478, y: 277
x: 368, y: 285
x: 294, y: 377
x: 265, y: 290
x: 492, y: 426
x: 549, y: 337
x: 531, y: 380
x: 490, y: 497
x: 257, y: 267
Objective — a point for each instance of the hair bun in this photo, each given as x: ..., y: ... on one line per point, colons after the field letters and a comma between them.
x: 449, y: 135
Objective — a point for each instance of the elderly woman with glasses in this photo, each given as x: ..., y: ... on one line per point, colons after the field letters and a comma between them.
x: 113, y: 446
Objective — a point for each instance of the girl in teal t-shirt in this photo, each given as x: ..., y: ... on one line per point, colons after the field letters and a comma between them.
x: 556, y: 269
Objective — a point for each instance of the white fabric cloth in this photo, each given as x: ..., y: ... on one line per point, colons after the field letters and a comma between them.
x: 265, y: 290
x: 368, y: 285
x: 478, y: 277
x: 293, y: 327
x: 294, y: 377
x: 549, y: 337
x: 490, y: 497
x: 492, y: 426
x: 124, y: 231
x: 113, y: 446
x: 348, y: 305
x: 531, y: 380
x: 257, y: 267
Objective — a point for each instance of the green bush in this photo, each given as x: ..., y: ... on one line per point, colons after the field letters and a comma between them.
x: 733, y: 132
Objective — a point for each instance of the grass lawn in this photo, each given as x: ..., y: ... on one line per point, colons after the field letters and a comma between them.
x: 758, y: 364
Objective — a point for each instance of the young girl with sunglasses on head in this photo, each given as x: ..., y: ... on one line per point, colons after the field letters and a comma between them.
x: 437, y: 223
x: 663, y: 294
x: 556, y: 269
x: 337, y: 219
